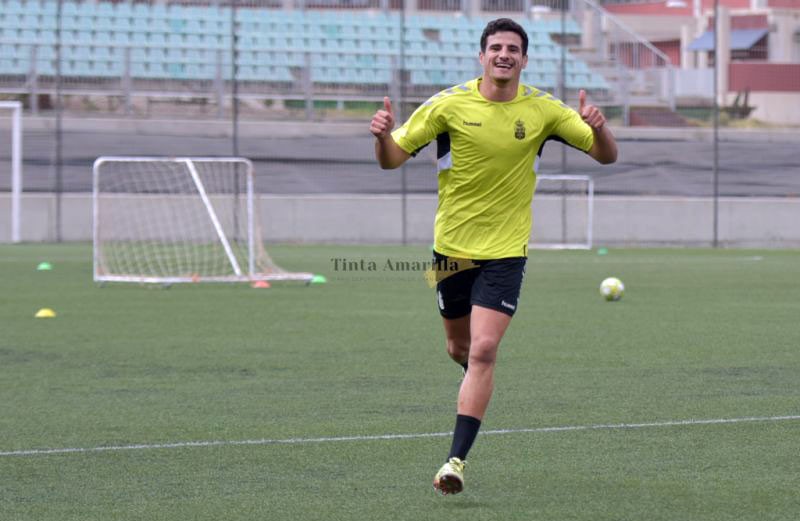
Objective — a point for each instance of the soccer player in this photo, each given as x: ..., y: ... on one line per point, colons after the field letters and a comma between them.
x: 489, y: 133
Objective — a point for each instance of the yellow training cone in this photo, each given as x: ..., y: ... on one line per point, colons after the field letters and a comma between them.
x: 45, y: 313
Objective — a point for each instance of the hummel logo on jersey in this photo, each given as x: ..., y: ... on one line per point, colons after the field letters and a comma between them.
x: 507, y: 305
x: 472, y: 123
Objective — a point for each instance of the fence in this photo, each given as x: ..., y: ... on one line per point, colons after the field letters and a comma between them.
x: 292, y: 86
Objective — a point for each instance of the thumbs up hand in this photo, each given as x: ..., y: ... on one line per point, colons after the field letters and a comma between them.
x: 589, y: 113
x: 383, y: 120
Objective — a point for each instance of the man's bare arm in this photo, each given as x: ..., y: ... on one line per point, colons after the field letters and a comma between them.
x: 604, y: 149
x: 389, y: 154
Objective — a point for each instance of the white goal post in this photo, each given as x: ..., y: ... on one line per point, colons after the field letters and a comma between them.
x: 182, y: 219
x: 16, y: 166
x: 563, y: 212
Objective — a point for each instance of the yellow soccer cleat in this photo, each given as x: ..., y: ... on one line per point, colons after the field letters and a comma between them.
x: 450, y: 478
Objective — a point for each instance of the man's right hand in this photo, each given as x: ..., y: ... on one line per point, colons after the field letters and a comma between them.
x: 387, y: 152
x: 383, y: 120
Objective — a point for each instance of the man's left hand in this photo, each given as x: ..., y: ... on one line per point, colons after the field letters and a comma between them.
x: 589, y: 113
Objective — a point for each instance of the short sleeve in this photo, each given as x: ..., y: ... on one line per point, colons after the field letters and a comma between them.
x: 421, y: 128
x: 573, y: 130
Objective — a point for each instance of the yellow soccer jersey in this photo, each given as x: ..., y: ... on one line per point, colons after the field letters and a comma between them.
x: 487, y: 158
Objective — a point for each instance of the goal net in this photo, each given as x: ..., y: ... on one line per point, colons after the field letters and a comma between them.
x: 563, y: 212
x: 169, y: 220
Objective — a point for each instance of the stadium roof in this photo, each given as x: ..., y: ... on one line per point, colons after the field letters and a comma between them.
x: 741, y: 40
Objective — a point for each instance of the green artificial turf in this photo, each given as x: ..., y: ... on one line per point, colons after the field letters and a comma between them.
x: 310, y: 378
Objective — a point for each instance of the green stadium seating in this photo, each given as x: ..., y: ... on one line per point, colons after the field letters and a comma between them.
x: 346, y: 47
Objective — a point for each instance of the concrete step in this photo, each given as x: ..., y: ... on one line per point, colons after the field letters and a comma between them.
x: 655, y: 117
x: 636, y: 88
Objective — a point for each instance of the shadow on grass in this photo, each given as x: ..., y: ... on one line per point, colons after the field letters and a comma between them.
x: 465, y: 504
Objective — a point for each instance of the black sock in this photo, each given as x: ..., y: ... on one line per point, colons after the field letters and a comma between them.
x: 464, y: 435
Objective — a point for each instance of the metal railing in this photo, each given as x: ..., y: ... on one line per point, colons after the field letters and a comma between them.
x: 643, y: 73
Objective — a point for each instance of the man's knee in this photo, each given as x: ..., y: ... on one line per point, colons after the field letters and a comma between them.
x: 458, y: 349
x: 483, y: 351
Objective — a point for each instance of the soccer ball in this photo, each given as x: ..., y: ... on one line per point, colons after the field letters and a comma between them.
x: 612, y: 289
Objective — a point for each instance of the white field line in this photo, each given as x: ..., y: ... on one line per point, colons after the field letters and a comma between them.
x: 336, y: 439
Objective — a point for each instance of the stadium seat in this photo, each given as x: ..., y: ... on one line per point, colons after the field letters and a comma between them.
x: 280, y: 74
x: 14, y: 7
x: 100, y: 53
x: 419, y: 77
x: 157, y: 39
x: 45, y: 67
x: 196, y: 71
x: 139, y: 54
x: 8, y: 50
x: 346, y: 46
x: 8, y: 66
x: 45, y: 52
x: 158, y: 11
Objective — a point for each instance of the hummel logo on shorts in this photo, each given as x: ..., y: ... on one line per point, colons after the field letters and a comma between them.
x: 507, y: 305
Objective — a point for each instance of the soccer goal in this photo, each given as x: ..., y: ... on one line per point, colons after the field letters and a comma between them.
x: 563, y: 212
x: 171, y: 220
x: 14, y: 166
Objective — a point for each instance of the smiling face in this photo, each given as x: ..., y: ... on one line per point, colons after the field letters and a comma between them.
x: 503, y: 60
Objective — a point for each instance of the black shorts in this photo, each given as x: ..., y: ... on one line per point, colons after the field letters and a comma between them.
x: 493, y: 284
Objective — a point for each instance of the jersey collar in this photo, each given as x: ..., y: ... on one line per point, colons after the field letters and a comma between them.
x: 522, y: 91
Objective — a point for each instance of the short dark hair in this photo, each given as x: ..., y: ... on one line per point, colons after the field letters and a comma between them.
x: 504, y: 25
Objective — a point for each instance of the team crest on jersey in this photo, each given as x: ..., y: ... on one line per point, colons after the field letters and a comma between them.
x: 519, y: 130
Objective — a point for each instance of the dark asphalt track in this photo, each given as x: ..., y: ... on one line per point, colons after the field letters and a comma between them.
x: 326, y: 165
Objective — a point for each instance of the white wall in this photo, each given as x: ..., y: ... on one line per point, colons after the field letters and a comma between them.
x: 694, y: 83
x: 629, y: 221
x: 782, y: 47
x: 781, y: 108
